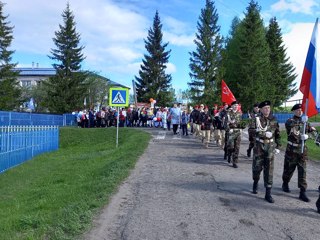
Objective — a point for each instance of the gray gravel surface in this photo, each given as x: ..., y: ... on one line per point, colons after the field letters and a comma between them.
x: 179, y: 190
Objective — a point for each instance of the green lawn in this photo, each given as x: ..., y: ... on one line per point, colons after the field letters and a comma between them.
x: 313, y: 149
x: 55, y: 195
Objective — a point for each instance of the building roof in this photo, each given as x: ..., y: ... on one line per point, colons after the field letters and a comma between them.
x: 47, y: 72
x: 36, y: 71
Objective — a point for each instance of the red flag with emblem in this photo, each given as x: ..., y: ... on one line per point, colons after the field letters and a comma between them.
x: 226, y: 95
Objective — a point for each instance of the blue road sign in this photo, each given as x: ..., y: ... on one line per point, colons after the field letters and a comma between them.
x: 119, y: 97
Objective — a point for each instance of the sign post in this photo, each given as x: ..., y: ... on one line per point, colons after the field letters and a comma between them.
x: 118, y: 97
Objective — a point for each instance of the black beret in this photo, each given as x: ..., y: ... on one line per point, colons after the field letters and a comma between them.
x: 296, y: 106
x: 256, y: 105
x: 264, y: 103
x: 234, y: 102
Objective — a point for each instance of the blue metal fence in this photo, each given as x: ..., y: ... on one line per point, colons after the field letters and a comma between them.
x: 36, y: 119
x: 19, y: 118
x: 21, y: 143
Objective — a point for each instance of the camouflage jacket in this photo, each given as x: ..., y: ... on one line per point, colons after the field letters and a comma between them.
x: 267, y: 124
x: 253, y: 114
x: 294, y: 128
x: 233, y: 120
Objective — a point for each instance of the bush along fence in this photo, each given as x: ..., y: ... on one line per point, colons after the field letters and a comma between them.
x: 21, y: 143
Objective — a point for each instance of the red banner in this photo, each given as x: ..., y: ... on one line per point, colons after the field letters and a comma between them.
x: 226, y: 94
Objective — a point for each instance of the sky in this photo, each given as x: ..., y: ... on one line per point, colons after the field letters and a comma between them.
x: 113, y: 31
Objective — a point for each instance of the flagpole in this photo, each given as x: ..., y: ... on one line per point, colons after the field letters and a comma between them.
x: 304, y: 124
x: 117, y: 128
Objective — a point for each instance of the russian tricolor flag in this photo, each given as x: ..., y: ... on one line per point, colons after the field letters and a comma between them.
x: 310, y: 83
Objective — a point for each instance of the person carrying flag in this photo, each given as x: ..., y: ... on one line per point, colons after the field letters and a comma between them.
x: 310, y: 88
x: 294, y: 158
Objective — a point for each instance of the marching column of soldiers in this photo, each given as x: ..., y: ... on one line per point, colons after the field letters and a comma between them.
x: 264, y: 141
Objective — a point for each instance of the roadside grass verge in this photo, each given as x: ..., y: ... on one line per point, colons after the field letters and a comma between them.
x: 55, y: 195
x: 313, y: 149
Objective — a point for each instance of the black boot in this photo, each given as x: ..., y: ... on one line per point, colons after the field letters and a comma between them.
x: 268, y: 196
x: 303, y: 196
x: 234, y: 165
x: 318, y: 204
x: 249, y: 152
x: 285, y: 187
x: 255, y: 187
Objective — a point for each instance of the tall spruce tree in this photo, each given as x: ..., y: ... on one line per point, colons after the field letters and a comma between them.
x: 282, y: 70
x: 205, y: 61
x: 10, y: 91
x: 66, y: 90
x: 230, y: 55
x: 249, y: 78
x: 153, y: 82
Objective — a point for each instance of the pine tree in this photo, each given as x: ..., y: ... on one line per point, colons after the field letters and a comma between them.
x: 205, y: 61
x: 153, y: 82
x: 66, y: 90
x: 10, y: 91
x: 251, y: 72
x: 282, y: 70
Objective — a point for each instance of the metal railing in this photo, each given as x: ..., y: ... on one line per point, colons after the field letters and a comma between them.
x: 36, y: 119
x: 21, y: 143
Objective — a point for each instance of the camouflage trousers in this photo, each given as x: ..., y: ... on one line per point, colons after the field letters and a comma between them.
x: 233, y: 145
x: 294, y: 158
x: 251, y: 140
x: 263, y: 159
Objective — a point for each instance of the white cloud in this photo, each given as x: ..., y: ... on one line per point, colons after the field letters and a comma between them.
x: 174, y: 25
x: 295, y: 6
x: 297, y: 43
x: 179, y: 40
x: 171, y: 68
x: 109, y: 33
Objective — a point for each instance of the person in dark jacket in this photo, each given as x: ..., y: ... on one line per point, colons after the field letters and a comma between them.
x: 206, y: 123
x: 193, y: 116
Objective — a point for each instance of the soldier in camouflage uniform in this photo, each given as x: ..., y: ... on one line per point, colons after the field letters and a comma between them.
x: 233, y: 121
x: 294, y: 157
x: 251, y: 131
x: 267, y: 143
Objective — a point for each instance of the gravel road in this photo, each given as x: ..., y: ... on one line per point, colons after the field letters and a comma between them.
x: 181, y: 191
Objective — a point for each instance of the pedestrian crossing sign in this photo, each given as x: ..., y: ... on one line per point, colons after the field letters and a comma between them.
x: 119, y: 97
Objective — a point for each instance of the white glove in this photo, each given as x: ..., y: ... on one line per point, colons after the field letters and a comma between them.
x: 276, y: 151
x: 268, y: 134
x: 304, y: 118
x: 304, y: 137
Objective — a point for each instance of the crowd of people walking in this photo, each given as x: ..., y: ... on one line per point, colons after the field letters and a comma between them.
x: 223, y: 125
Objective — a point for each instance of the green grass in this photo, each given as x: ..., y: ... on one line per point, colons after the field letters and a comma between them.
x: 55, y: 195
x: 313, y: 149
x: 315, y: 118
